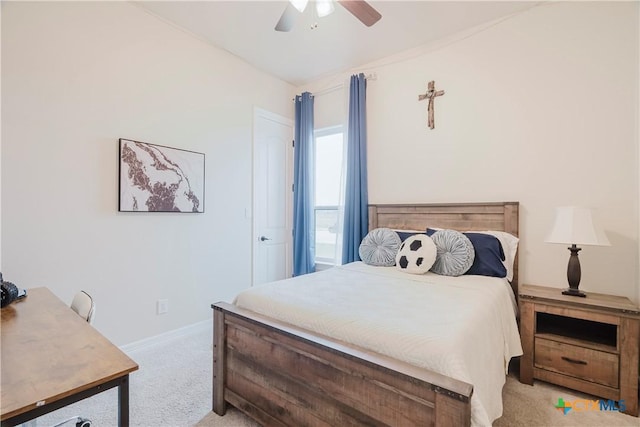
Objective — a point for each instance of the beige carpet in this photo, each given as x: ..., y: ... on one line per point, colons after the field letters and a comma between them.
x: 173, y: 389
x: 523, y: 406
x: 526, y: 405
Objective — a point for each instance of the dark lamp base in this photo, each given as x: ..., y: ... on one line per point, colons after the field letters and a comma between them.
x: 574, y: 293
x: 573, y: 274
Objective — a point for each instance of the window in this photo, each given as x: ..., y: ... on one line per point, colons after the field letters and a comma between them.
x: 328, y: 167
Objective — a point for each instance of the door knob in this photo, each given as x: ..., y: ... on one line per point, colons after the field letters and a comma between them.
x: 262, y: 238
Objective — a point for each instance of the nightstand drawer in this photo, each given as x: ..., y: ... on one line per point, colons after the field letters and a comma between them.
x: 592, y: 365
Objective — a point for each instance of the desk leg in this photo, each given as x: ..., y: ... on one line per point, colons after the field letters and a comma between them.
x: 123, y: 402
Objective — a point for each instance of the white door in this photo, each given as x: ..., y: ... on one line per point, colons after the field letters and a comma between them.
x: 272, y: 197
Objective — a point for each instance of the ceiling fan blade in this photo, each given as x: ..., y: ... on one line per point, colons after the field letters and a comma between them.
x: 362, y: 10
x: 288, y: 18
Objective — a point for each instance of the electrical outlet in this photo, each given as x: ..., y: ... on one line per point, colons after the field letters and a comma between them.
x: 162, y: 306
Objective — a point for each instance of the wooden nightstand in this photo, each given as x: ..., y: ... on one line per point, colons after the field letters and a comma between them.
x: 588, y: 344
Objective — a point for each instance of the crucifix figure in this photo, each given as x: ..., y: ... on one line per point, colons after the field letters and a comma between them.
x: 430, y: 95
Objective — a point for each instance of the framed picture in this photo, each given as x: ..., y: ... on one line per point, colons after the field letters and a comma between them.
x: 154, y: 178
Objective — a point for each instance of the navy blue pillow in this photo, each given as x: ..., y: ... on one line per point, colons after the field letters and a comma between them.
x: 489, y: 255
x: 404, y: 235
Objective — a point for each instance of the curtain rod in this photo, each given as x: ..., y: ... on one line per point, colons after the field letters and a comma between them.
x: 370, y: 76
x: 328, y: 90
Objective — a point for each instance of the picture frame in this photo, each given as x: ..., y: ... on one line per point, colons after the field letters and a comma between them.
x: 157, y: 178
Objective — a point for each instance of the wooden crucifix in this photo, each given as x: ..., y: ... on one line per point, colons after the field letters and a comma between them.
x: 430, y: 95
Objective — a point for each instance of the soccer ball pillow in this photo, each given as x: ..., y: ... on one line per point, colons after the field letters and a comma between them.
x: 416, y: 255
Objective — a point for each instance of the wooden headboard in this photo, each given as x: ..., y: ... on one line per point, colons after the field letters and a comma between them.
x: 500, y: 216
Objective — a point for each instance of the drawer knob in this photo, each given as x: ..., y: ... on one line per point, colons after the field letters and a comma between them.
x: 570, y: 360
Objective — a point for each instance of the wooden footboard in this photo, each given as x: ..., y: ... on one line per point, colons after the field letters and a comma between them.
x: 280, y: 375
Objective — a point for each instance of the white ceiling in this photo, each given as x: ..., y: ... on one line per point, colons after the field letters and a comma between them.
x: 339, y: 43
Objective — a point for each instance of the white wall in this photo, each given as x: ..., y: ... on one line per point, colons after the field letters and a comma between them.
x: 638, y: 138
x: 541, y: 108
x: 330, y: 107
x: 76, y: 77
x: 1, y: 149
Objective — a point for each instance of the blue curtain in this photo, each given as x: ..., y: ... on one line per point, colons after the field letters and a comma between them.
x: 356, y: 212
x: 303, y: 188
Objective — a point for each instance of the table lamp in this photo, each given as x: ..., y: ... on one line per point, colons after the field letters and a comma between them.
x: 575, y: 226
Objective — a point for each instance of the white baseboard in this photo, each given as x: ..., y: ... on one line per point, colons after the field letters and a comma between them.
x: 165, y: 337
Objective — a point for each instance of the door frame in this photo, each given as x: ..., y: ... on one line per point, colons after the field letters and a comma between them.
x: 268, y: 115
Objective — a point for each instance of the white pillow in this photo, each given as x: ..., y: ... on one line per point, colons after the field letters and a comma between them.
x: 416, y: 255
x: 509, y: 244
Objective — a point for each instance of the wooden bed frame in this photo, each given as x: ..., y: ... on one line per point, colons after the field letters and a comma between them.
x: 282, y: 375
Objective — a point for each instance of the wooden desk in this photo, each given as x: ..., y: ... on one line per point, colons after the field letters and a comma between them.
x: 51, y: 358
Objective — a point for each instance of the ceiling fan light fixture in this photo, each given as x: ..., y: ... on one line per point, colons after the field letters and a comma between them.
x: 324, y: 8
x: 361, y: 9
x: 299, y: 4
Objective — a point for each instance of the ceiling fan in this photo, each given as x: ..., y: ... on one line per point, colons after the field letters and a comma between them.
x: 358, y: 8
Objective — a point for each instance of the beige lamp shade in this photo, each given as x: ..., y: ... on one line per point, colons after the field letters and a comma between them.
x: 575, y: 225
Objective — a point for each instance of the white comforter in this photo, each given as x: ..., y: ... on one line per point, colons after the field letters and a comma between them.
x: 462, y: 327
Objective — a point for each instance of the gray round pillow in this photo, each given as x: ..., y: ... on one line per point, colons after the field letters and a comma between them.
x: 379, y: 247
x: 455, y: 253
